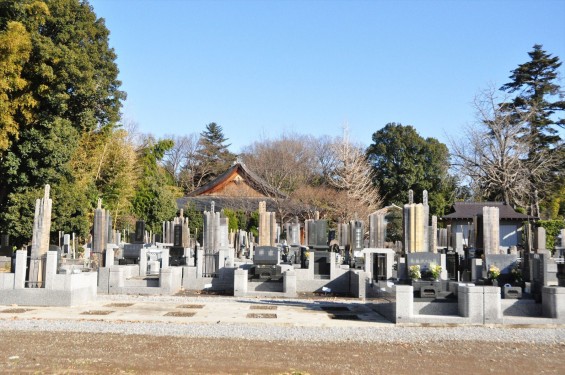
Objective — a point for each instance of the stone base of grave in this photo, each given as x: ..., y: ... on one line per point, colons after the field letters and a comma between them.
x: 64, y: 289
x: 477, y: 305
x: 127, y: 279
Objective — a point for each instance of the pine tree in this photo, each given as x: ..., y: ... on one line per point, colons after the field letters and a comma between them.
x: 212, y: 156
x: 539, y: 96
x: 535, y: 84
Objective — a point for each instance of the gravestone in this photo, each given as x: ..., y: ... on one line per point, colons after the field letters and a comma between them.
x: 266, y: 261
x: 100, y: 234
x: 40, y: 239
x: 377, y: 230
x: 423, y: 259
x: 442, y: 238
x: 267, y: 226
x: 539, y: 243
x: 317, y: 237
x: 357, y: 232
x: 5, y: 249
x: 560, y: 244
x: 414, y: 228
x: 539, y: 264
x: 343, y: 237
x: 67, y: 244
x: 293, y: 233
x: 322, y: 263
x: 139, y: 232
x: 433, y: 235
x: 528, y: 236
x: 504, y: 262
x: 169, y: 227
x: 491, y: 230
x: 426, y: 222
x: 452, y: 259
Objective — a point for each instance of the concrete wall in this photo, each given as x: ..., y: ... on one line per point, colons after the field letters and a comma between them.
x: 476, y: 305
x: 70, y: 289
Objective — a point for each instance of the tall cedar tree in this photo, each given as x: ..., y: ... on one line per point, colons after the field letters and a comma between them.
x: 212, y: 155
x: 70, y: 82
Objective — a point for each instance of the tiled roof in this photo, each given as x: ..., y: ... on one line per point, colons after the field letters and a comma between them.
x: 467, y: 210
x: 251, y: 178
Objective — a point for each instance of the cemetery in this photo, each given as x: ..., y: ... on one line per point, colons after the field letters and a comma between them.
x: 472, y: 273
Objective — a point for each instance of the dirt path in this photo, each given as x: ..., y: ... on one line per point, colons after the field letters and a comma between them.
x: 71, y: 353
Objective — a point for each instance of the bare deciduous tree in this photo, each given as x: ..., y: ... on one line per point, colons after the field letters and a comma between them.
x: 493, y: 154
x: 285, y: 163
x: 352, y: 174
x: 180, y: 161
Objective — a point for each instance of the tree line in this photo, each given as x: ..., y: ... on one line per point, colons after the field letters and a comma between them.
x: 60, y: 124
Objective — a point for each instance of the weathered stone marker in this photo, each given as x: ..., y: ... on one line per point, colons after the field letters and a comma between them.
x: 40, y: 239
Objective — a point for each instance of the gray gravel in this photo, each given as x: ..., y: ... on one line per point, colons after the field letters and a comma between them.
x: 271, y: 332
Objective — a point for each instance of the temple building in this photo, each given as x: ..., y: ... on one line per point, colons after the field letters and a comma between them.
x: 238, y: 188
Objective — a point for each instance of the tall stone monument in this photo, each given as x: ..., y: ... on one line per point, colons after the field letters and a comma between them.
x: 414, y: 228
x: 377, y: 230
x: 267, y: 226
x: 176, y: 231
x: 491, y: 230
x: 40, y: 239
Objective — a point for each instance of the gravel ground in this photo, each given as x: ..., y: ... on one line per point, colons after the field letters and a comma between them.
x: 92, y: 346
x: 265, y: 332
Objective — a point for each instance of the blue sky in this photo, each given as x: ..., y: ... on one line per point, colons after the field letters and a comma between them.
x: 262, y: 68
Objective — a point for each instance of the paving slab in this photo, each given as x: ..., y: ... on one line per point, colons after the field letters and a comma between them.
x: 208, y: 310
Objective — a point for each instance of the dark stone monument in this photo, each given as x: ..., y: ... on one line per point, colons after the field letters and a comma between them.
x: 452, y: 265
x: 139, y: 231
x: 5, y: 249
x: 177, y: 240
x: 317, y: 234
x: 322, y: 263
x: 266, y: 262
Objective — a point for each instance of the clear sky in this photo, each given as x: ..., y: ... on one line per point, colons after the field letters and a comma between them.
x: 262, y: 68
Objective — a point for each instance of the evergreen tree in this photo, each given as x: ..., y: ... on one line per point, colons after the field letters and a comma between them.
x: 154, y: 200
x: 403, y: 160
x: 64, y: 87
x: 535, y: 82
x: 540, y: 96
x: 212, y: 155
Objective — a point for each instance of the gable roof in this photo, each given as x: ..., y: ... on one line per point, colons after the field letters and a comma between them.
x: 468, y: 210
x: 251, y: 179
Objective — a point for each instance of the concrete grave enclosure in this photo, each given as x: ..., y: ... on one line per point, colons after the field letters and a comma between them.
x: 437, y: 275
